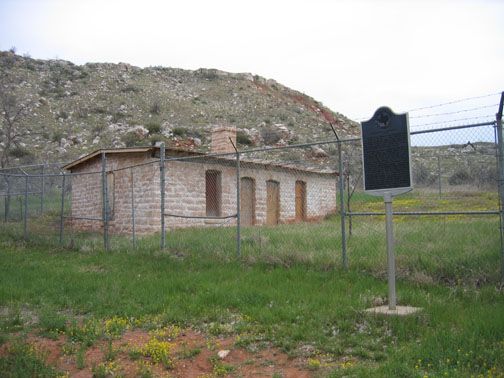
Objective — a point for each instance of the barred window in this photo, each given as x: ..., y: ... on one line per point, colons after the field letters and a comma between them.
x: 213, y: 193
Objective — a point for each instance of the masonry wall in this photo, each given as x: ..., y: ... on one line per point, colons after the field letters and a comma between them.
x: 185, y: 193
x: 87, y: 194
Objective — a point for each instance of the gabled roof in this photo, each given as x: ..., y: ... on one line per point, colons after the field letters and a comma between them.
x: 221, y: 158
x: 126, y: 150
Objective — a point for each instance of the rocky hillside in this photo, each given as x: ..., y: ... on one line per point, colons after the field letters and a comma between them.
x: 65, y: 110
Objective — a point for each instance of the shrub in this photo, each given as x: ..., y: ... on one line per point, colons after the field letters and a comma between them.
x: 484, y: 175
x: 130, y: 139
x: 20, y: 152
x: 179, y: 131
x: 461, y: 177
x: 99, y: 110
x: 130, y: 88
x: 243, y: 138
x: 62, y: 114
x: 422, y: 175
x: 153, y: 127
x: 57, y: 135
x: 155, y: 108
x: 270, y: 135
x: 209, y: 74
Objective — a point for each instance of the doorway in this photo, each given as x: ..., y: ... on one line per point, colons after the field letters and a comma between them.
x: 247, y: 201
x: 300, y: 201
x: 272, y: 202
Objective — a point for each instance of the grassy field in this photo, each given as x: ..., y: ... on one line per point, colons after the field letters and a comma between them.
x: 286, y: 292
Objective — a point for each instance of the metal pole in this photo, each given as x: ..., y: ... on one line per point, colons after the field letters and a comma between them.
x: 62, y: 210
x: 133, y: 208
x: 25, y: 210
x: 390, y: 251
x: 439, y: 174
x: 7, y: 199
x: 238, y: 212
x: 500, y: 139
x: 42, y: 191
x: 162, y: 192
x: 105, y: 207
x: 342, y: 208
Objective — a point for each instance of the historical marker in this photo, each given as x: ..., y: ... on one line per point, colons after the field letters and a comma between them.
x: 386, y: 159
x: 386, y: 153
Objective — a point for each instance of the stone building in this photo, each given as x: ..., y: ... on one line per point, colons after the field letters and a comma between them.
x: 200, y: 189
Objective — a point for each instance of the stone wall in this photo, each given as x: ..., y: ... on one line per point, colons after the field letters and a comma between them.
x: 87, y: 194
x: 185, y: 191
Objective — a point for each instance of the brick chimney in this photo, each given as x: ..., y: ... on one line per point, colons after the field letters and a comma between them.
x: 220, y: 139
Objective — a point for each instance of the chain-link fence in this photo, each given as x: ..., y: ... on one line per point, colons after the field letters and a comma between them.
x: 451, y: 214
x: 282, y: 205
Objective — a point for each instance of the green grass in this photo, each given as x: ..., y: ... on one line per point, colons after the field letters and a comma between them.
x: 23, y: 360
x: 287, y: 289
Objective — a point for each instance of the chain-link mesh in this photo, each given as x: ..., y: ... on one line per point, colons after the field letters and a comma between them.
x: 280, y: 205
x: 452, y: 214
x: 288, y: 204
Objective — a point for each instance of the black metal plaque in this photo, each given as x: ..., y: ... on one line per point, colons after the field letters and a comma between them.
x: 386, y: 151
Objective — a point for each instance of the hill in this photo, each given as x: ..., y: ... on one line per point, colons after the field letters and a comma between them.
x: 65, y: 110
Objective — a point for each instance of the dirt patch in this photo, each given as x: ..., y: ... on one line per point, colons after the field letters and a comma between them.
x: 192, y: 354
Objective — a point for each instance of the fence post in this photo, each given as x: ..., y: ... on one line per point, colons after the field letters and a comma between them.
x: 42, y: 190
x: 62, y: 216
x: 238, y: 212
x: 105, y: 204
x: 342, y: 208
x: 7, y: 199
x: 25, y: 208
x: 500, y: 154
x: 387, y: 198
x: 133, y: 207
x: 162, y: 192
x: 439, y: 174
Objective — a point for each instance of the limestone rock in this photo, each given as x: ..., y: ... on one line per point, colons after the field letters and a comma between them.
x: 318, y: 152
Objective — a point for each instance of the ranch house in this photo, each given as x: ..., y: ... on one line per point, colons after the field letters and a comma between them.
x: 200, y: 189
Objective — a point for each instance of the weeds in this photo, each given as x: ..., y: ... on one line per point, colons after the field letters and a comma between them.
x: 24, y: 360
x: 287, y: 291
x: 106, y: 370
x: 80, y: 358
x: 158, y: 351
x: 115, y: 326
x: 86, y: 333
x: 52, y: 324
x: 219, y: 368
x: 144, y: 369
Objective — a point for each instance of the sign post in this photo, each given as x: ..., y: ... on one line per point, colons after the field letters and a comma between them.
x: 386, y: 157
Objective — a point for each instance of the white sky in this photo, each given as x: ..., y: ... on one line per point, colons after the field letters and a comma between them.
x: 354, y: 56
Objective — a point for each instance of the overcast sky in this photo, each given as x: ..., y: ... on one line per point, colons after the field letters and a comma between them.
x: 351, y: 55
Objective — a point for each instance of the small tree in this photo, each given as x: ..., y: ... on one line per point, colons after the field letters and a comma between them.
x: 13, y: 112
x: 352, y: 176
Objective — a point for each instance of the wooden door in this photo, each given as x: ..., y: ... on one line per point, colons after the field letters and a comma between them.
x: 300, y: 201
x: 247, y: 201
x: 272, y: 202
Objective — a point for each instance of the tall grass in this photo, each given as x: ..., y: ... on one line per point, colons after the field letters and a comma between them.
x: 287, y: 288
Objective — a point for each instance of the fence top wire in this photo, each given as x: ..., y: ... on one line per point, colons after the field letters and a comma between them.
x: 452, y: 128
x: 193, y: 155
x: 438, y: 105
x: 40, y: 165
